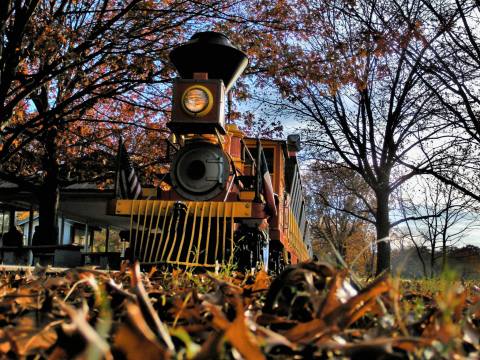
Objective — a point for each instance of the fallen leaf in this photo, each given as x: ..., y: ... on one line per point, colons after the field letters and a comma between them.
x: 240, y: 337
x: 262, y: 281
x: 136, y: 346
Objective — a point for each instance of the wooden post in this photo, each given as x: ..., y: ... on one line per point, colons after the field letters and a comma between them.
x: 30, y: 226
x: 85, y: 246
x: 107, y: 238
x: 62, y: 230
x: 11, y: 219
x: 92, y: 238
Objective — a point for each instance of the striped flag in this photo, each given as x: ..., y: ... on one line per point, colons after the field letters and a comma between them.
x: 267, y: 185
x: 127, y: 183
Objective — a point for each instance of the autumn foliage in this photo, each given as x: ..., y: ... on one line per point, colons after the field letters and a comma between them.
x: 310, y: 310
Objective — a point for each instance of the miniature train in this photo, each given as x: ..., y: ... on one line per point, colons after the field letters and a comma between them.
x: 232, y: 199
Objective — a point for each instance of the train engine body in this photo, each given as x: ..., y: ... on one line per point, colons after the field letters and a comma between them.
x: 229, y: 198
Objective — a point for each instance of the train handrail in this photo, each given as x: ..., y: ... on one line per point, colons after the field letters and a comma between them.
x: 248, y: 152
x: 257, y: 172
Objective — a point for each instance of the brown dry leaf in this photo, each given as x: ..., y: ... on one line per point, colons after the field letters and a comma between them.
x: 186, y: 309
x: 28, y: 298
x: 210, y: 347
x: 299, y: 291
x: 474, y: 309
x: 152, y: 271
x: 444, y: 331
x: 338, y: 315
x: 58, y: 354
x: 137, y: 346
x: 148, y: 312
x: 262, y: 281
x: 445, y: 325
x: 309, y: 331
x: 55, y: 282
x: 410, y: 344
x: 223, y: 312
x: 269, y: 319
x: 272, y: 338
x: 240, y: 337
x: 27, y: 339
x: 80, y: 323
x: 332, y: 300
x: 176, y: 273
x: 5, y: 345
x: 138, y: 322
x: 461, y: 300
x: 237, y: 332
x: 219, y: 320
x: 346, y: 314
x: 42, y: 340
x: 380, y: 346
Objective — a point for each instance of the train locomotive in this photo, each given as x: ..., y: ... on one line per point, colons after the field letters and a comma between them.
x: 231, y: 199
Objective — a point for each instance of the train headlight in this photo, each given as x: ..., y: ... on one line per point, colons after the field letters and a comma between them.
x: 197, y: 100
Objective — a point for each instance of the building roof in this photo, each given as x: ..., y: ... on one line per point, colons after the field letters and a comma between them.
x: 82, y: 202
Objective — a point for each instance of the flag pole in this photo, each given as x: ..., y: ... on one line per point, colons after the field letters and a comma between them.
x: 257, y: 171
x: 117, y: 173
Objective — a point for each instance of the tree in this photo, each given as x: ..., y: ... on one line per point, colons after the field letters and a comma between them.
x: 417, y: 240
x: 356, y: 79
x: 67, y: 69
x: 335, y: 201
x: 451, y: 73
x: 451, y: 215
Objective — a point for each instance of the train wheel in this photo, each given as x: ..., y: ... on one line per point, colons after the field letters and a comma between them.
x: 251, y: 250
x: 277, y: 260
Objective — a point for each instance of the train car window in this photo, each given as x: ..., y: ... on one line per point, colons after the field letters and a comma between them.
x: 269, y: 155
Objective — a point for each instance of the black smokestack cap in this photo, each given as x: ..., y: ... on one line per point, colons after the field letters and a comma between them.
x: 294, y: 143
x: 210, y: 52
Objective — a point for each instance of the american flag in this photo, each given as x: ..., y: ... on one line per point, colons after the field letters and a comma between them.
x: 267, y: 185
x: 127, y: 183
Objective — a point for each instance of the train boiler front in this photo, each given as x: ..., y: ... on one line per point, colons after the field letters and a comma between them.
x: 200, y: 171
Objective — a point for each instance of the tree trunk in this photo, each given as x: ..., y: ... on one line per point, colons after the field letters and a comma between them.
x: 418, y: 250
x: 342, y: 248
x: 48, y: 196
x: 420, y: 257
x: 444, y: 257
x: 432, y: 262
x: 383, y: 232
x: 444, y: 244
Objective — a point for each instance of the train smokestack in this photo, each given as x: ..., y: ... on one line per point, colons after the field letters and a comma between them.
x: 212, y: 53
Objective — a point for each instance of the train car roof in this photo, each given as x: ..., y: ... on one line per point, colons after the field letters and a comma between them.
x: 266, y: 141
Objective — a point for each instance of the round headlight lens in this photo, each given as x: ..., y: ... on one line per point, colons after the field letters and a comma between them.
x: 195, y: 100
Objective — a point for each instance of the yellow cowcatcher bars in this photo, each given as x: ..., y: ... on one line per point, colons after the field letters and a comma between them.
x: 191, y: 233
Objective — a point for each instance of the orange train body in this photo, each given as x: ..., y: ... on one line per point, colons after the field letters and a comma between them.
x: 205, y: 234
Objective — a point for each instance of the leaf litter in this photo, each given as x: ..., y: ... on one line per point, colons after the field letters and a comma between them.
x: 311, y: 310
